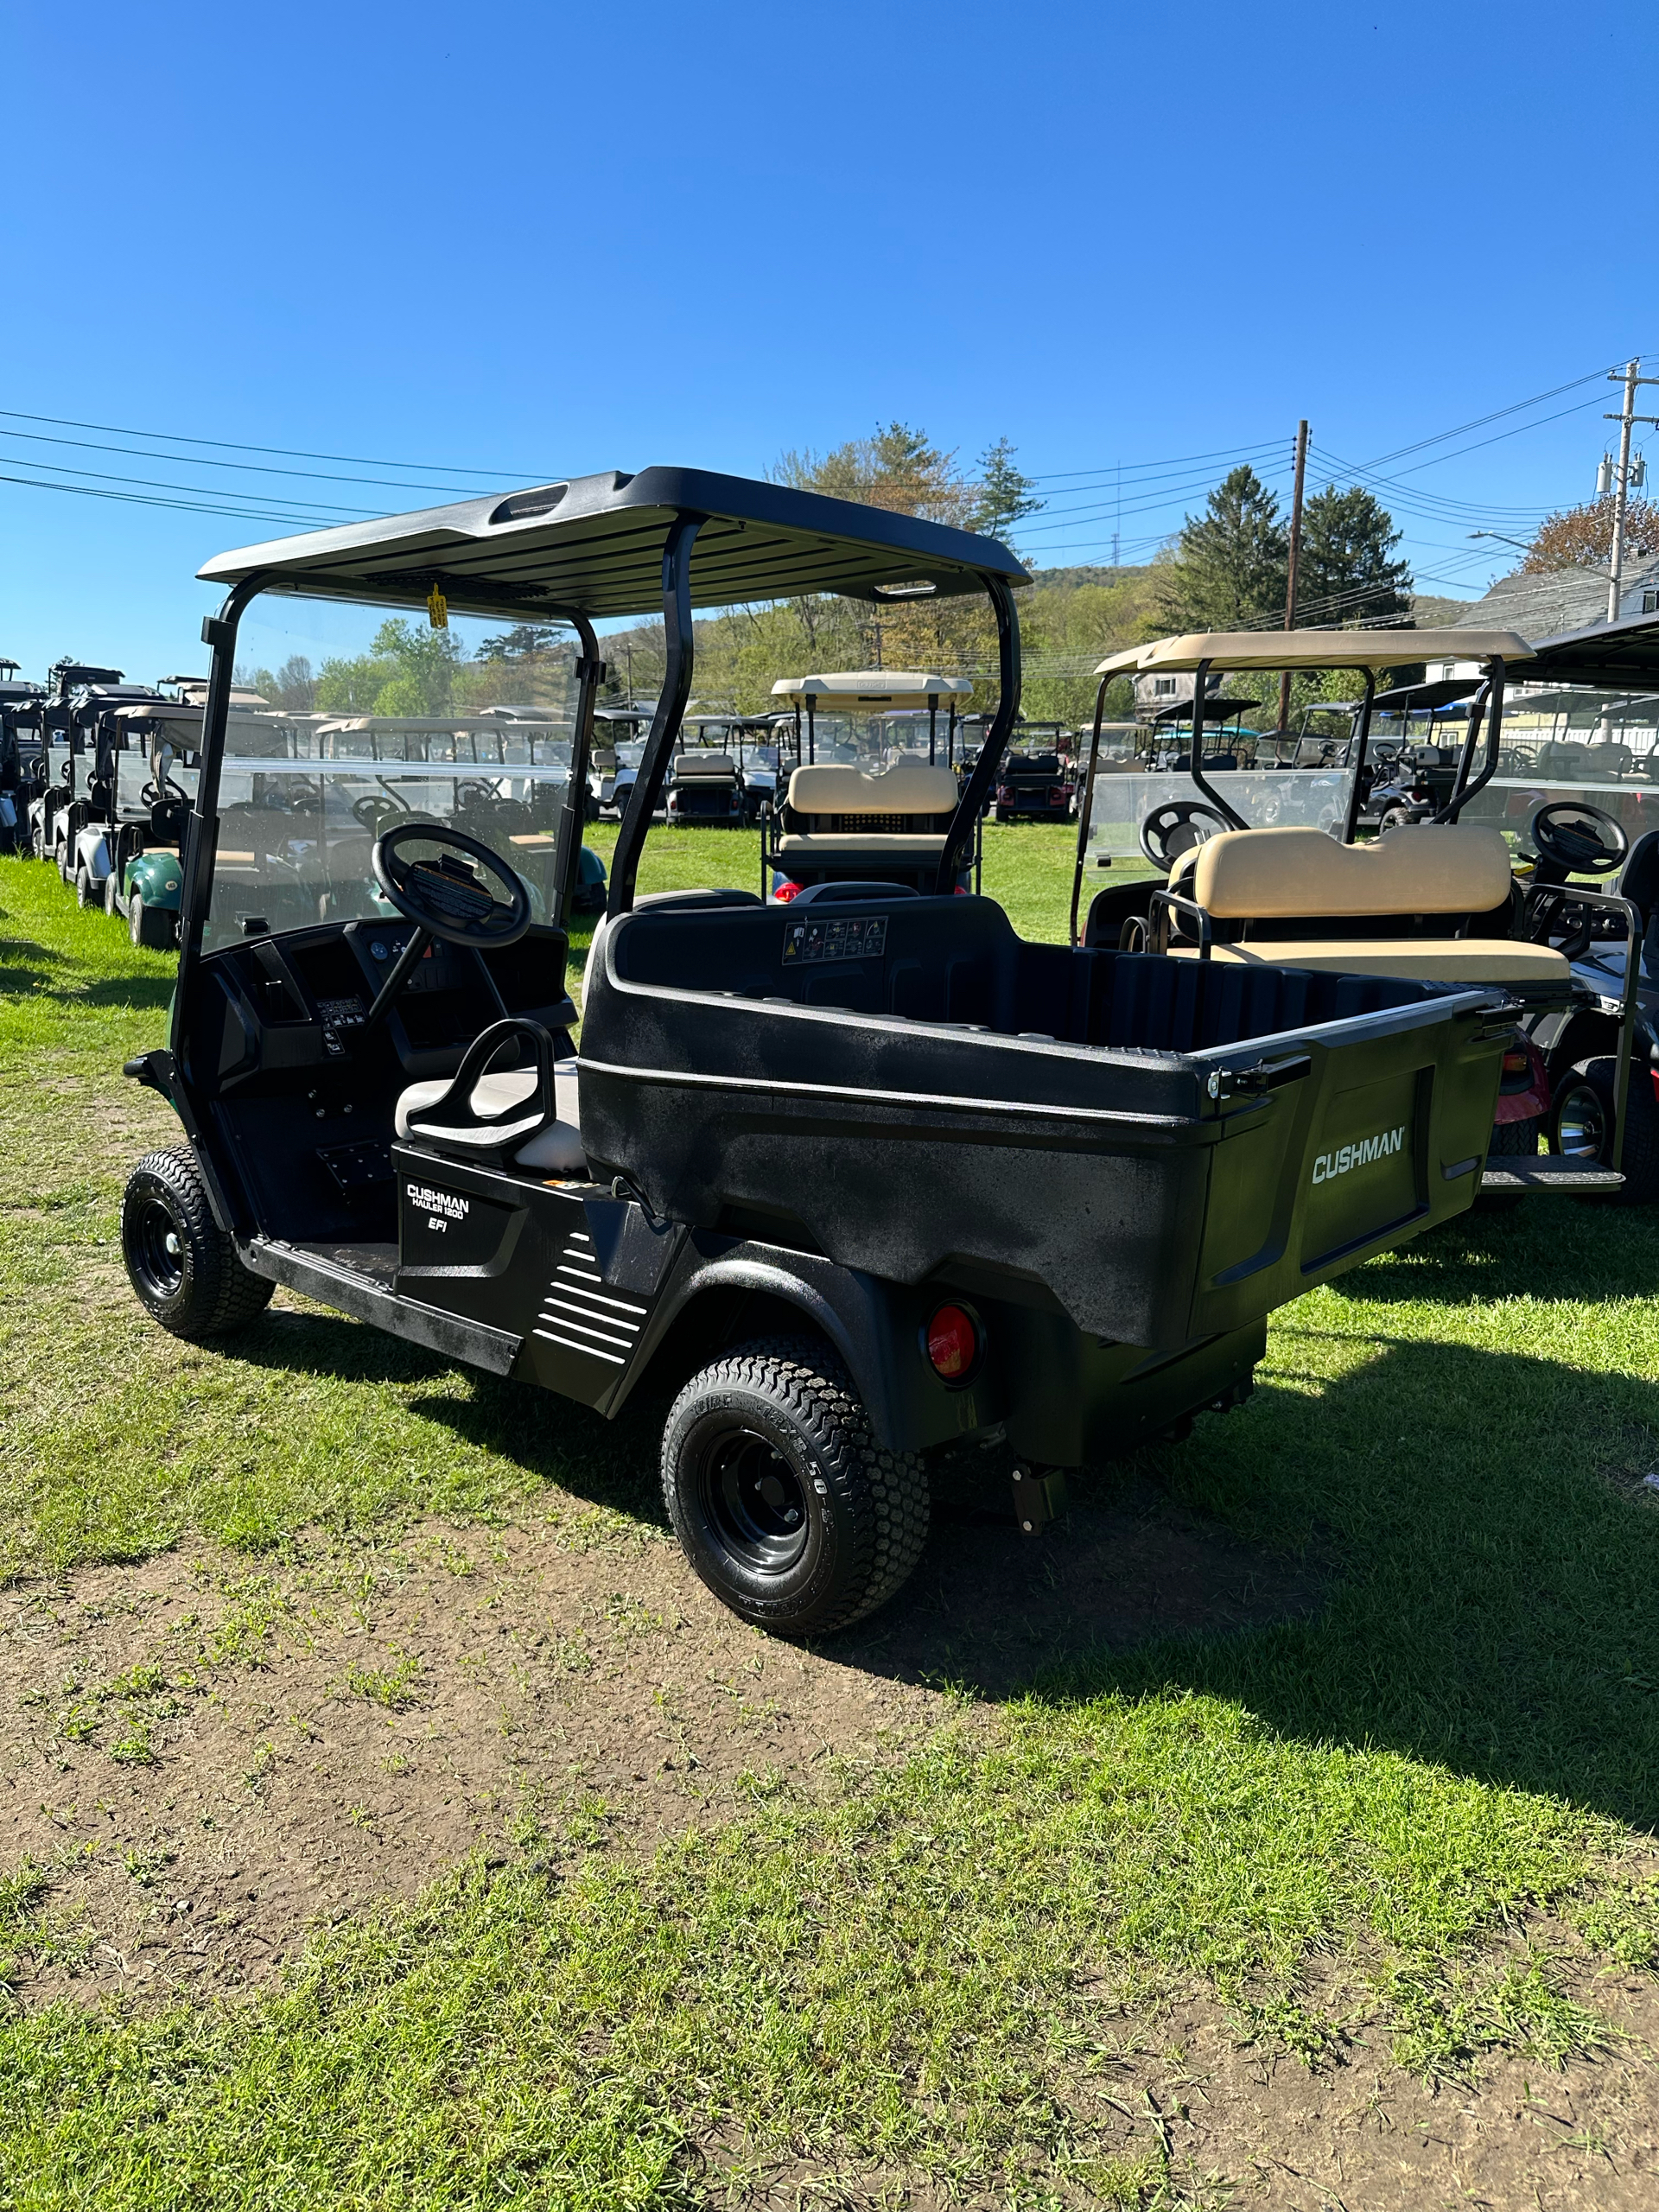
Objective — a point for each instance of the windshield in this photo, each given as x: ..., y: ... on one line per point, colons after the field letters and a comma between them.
x: 1602, y: 747
x: 380, y: 720
x: 1301, y: 797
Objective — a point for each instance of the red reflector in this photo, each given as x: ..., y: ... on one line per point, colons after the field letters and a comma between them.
x: 952, y: 1343
x: 1516, y: 1063
x: 1654, y: 1072
x: 783, y: 891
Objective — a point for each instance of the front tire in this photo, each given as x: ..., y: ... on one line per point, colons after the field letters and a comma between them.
x: 1581, y: 1125
x: 180, y: 1261
x: 155, y: 931
x: 85, y: 893
x: 784, y: 1502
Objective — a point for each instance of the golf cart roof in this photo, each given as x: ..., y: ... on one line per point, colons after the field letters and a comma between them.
x: 873, y: 687
x: 1281, y: 649
x: 595, y: 544
x: 1426, y: 698
x: 1615, y: 656
x: 1120, y: 664
x: 1215, y: 710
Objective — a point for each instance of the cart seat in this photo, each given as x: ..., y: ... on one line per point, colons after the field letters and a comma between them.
x: 1423, y: 868
x: 554, y: 1147
x: 1430, y: 960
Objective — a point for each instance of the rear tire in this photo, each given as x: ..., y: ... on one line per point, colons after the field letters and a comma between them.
x: 788, y: 1508
x: 110, y: 889
x: 84, y: 894
x: 180, y: 1261
x: 1581, y: 1124
x: 157, y: 931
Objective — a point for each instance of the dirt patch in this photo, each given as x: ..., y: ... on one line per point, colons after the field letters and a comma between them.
x: 206, y: 1756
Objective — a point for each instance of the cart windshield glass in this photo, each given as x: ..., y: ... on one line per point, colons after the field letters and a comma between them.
x: 379, y: 719
x: 1308, y: 794
x: 1563, y: 742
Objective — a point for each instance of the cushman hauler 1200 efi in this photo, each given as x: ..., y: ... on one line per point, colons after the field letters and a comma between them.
x: 857, y: 1178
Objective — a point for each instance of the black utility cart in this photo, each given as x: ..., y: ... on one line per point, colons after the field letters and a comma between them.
x: 853, y: 1179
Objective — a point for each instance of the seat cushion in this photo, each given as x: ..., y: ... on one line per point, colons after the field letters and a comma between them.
x: 554, y: 1149
x: 1423, y: 868
x: 1434, y: 960
x: 908, y: 787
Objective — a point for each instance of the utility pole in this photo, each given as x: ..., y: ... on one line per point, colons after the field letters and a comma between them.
x: 1626, y: 417
x: 1295, y: 555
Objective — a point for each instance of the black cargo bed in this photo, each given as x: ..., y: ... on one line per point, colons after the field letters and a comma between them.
x: 1170, y: 1148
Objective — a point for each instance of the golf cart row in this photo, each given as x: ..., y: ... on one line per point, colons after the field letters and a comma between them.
x: 1513, y: 879
x: 106, y: 786
x: 852, y: 1183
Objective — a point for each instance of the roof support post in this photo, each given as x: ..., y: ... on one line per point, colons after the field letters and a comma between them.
x: 665, y: 722
x: 201, y: 829
x: 1200, y: 678
x: 1464, y: 790
x: 566, y: 853
x: 978, y: 789
x: 1085, y: 806
x: 1362, y: 739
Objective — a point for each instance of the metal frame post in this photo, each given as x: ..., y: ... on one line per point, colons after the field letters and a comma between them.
x: 201, y: 829
x: 665, y: 722
x: 1087, y: 807
x: 1362, y: 739
x: 978, y: 785
x: 1200, y: 676
x: 567, y: 853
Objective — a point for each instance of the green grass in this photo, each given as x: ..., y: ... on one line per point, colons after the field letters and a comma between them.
x: 1425, y: 1804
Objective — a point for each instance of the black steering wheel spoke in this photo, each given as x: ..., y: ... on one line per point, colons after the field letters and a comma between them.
x: 1578, y: 839
x: 1176, y: 826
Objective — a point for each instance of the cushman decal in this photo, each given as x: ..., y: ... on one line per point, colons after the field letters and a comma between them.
x: 440, y: 1207
x: 1381, y: 1146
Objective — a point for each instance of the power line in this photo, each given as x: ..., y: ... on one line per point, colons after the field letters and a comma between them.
x: 242, y: 467
x: 285, y: 453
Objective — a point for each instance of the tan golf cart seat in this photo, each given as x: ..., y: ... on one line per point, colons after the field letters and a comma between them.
x: 835, y: 812
x: 1270, y: 879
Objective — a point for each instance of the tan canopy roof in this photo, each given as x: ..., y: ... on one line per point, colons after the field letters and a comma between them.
x: 879, y: 689
x: 1276, y: 648
x: 1114, y: 664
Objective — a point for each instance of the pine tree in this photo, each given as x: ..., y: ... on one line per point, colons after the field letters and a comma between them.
x: 1006, y: 495
x: 1347, y: 572
x: 1230, y: 565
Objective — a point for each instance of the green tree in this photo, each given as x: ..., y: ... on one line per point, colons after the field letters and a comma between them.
x: 1347, y: 572
x: 1582, y: 537
x: 407, y: 670
x: 897, y: 467
x: 1231, y: 564
x: 1006, y: 494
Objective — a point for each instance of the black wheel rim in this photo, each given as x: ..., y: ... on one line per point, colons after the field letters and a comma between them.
x: 157, y: 1250
x: 754, y: 1500
x: 1581, y: 1124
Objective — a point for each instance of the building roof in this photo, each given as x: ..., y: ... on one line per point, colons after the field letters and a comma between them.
x: 1554, y: 601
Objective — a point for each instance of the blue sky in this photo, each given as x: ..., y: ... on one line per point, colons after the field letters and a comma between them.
x: 512, y: 243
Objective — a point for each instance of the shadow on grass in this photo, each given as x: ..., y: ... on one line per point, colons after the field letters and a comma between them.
x: 1450, y: 1552
x: 30, y: 969
x: 612, y: 1463
x: 1459, y: 1545
x: 1550, y: 1248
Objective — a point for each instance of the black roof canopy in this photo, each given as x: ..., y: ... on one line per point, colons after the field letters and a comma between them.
x: 1621, y: 656
x: 596, y: 543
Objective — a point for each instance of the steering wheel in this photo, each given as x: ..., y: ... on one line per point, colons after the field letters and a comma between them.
x: 374, y: 808
x: 1578, y: 837
x: 1176, y: 826
x: 444, y: 897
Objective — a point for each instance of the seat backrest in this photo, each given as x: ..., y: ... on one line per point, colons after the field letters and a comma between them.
x: 1421, y: 867
x: 1638, y: 879
x: 908, y: 787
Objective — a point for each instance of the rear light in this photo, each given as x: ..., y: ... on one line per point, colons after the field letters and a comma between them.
x: 784, y: 891
x: 951, y: 1341
x: 1058, y: 796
